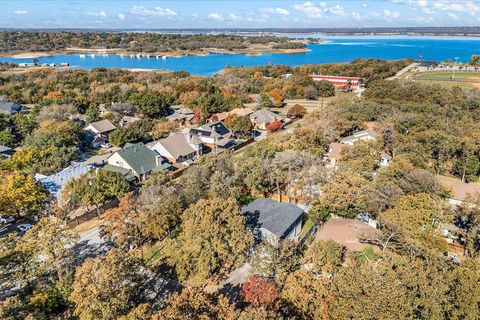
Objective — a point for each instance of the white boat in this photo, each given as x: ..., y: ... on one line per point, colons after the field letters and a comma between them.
x: 139, y: 55
x: 82, y: 55
x: 132, y: 56
x: 105, y: 55
x: 92, y: 55
x: 157, y: 57
x: 164, y: 58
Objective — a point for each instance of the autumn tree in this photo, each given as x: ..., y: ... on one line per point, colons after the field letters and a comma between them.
x: 259, y: 292
x: 414, y: 221
x: 274, y: 126
x: 277, y: 97
x: 213, y: 236
x: 105, y: 287
x: 297, y: 111
x: 196, y: 304
x: 20, y: 195
x: 239, y: 123
x: 163, y: 128
x: 307, y: 288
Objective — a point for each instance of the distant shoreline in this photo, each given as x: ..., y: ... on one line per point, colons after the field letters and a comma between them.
x: 253, y: 51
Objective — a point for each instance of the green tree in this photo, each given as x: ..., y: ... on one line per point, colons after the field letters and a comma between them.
x: 213, y: 236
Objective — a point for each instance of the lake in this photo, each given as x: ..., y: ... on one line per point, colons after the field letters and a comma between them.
x: 335, y: 49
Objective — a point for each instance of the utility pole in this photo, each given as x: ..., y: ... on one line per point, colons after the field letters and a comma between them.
x: 453, y: 76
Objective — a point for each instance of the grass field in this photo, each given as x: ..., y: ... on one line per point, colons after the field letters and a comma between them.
x: 466, y: 80
x: 448, y: 75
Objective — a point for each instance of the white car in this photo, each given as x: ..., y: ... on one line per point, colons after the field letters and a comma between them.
x: 7, y: 219
x: 106, y: 145
x: 24, y: 227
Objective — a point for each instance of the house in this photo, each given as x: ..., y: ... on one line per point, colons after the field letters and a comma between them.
x: 459, y: 191
x: 241, y: 112
x: 262, y: 118
x: 182, y: 115
x: 11, y: 108
x: 97, y: 132
x: 364, y: 135
x: 179, y: 147
x: 347, y: 232
x: 334, y: 154
x: 5, y: 151
x: 385, y: 159
x: 55, y: 182
x: 275, y: 221
x: 214, y: 135
x: 138, y: 159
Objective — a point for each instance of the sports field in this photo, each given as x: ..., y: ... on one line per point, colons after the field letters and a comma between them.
x: 461, y: 79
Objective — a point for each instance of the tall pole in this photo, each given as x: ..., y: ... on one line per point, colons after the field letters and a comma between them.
x: 453, y: 76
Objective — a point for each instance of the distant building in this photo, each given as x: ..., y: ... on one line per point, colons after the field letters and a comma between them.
x: 364, y: 135
x: 138, y: 159
x: 339, y: 81
x: 275, y: 221
x: 179, y: 147
x: 182, y: 115
x: 241, y: 112
x: 11, y: 108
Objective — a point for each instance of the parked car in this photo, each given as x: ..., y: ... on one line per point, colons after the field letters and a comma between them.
x: 24, y: 227
x: 106, y: 145
x: 6, y: 219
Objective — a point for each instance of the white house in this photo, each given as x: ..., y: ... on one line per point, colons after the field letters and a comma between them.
x: 97, y: 132
x: 364, y: 135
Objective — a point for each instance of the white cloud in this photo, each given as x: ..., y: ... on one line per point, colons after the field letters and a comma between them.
x: 234, y: 17
x: 387, y: 14
x: 280, y: 11
x: 121, y: 16
x: 157, y: 11
x: 310, y: 9
x: 337, y: 10
x: 357, y: 16
x: 463, y: 6
x: 364, y: 5
x: 20, y: 12
x: 97, y: 14
x: 453, y: 16
x: 216, y: 17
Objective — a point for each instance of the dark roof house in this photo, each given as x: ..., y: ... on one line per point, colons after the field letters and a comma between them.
x: 275, y: 220
x: 11, y: 107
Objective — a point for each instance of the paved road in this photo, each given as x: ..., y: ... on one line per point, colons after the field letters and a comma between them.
x: 401, y: 72
x: 91, y: 236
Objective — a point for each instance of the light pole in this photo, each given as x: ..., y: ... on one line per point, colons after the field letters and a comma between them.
x: 453, y: 75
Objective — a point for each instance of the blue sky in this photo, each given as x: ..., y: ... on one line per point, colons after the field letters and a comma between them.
x: 232, y: 13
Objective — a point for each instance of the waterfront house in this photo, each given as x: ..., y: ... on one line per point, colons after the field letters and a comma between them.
x: 139, y: 160
x: 274, y: 221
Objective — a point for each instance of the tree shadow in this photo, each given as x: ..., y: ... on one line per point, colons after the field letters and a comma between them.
x: 85, y: 250
x: 233, y: 294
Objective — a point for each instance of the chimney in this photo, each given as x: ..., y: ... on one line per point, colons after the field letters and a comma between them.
x: 158, y: 160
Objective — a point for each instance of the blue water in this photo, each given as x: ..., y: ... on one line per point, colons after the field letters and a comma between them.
x: 337, y: 49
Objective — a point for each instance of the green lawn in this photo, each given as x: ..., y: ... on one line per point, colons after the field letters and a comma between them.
x: 448, y: 75
x: 306, y: 228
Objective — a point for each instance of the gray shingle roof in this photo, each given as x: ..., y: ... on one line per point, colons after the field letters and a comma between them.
x: 10, y: 107
x: 55, y: 182
x: 278, y: 218
x: 177, y: 145
x: 264, y: 116
x: 4, y: 149
x: 103, y: 126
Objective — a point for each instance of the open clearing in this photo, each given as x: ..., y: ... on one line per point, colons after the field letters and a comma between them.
x: 448, y: 75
